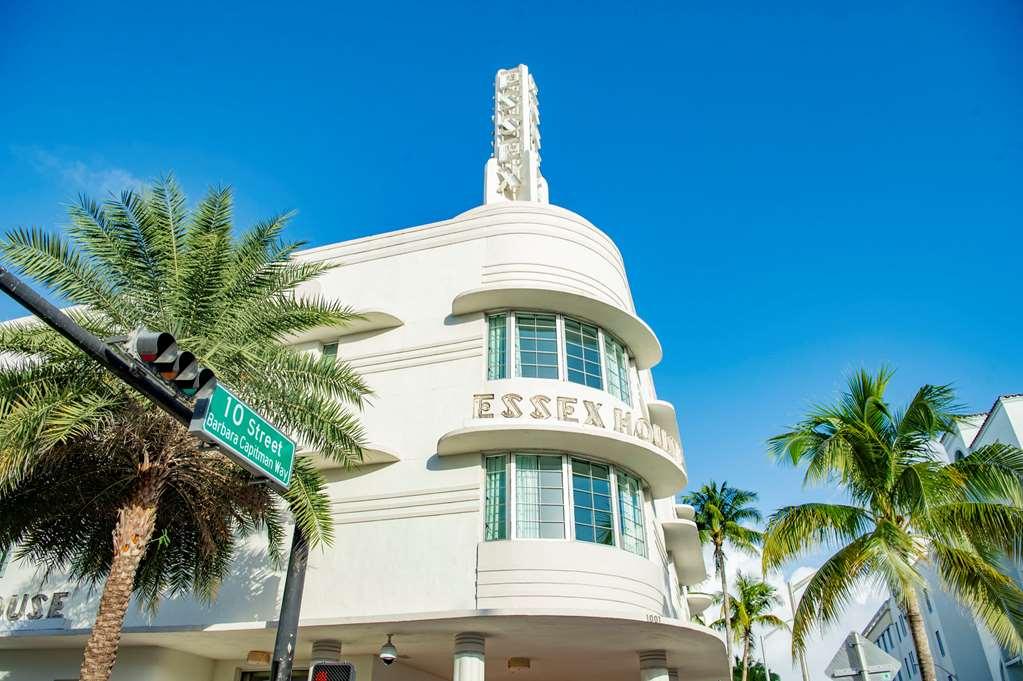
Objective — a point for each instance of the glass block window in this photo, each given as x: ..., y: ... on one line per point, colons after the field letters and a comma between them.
x: 536, y: 345
x: 497, y: 346
x: 582, y: 354
x: 591, y: 501
x: 617, y: 370
x: 539, y: 497
x: 330, y: 350
x: 630, y: 513
x: 496, y: 506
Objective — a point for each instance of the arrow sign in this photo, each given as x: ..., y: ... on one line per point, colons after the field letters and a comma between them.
x: 249, y: 439
x: 860, y: 659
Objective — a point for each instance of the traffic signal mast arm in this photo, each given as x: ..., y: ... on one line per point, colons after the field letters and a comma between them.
x: 131, y: 371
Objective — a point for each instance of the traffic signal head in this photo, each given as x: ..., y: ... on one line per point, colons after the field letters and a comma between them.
x: 332, y: 671
x: 159, y: 350
x: 154, y: 346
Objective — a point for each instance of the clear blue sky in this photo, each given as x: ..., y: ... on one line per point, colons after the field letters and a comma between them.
x: 798, y: 190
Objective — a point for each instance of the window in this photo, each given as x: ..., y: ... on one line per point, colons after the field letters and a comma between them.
x: 497, y: 344
x: 582, y: 354
x: 959, y: 455
x: 912, y: 659
x: 591, y: 499
x: 898, y: 677
x: 941, y: 644
x: 559, y: 496
x: 536, y: 345
x: 496, y: 514
x: 630, y: 514
x: 902, y: 625
x: 909, y: 670
x: 556, y: 347
x: 617, y: 370
x: 330, y: 350
x: 539, y: 502
x: 927, y: 598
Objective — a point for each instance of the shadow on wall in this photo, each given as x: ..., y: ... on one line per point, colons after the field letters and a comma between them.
x: 250, y: 593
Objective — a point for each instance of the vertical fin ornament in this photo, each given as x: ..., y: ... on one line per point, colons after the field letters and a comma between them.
x: 513, y: 170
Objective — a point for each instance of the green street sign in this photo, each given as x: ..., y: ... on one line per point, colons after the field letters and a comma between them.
x: 249, y: 439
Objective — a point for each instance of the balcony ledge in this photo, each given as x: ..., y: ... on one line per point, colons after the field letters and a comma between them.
x: 682, y: 539
x: 372, y: 453
x: 698, y: 602
x: 664, y: 475
x: 628, y: 328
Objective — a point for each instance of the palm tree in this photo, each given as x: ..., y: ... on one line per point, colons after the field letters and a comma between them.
x: 83, y: 459
x: 906, y: 508
x: 750, y: 608
x: 756, y: 672
x: 721, y: 511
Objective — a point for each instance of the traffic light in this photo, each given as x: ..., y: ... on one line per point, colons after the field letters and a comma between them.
x: 160, y: 351
x: 332, y: 671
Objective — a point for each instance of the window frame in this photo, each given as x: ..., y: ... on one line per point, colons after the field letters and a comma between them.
x: 336, y: 344
x: 511, y: 496
x: 511, y: 355
x: 507, y: 495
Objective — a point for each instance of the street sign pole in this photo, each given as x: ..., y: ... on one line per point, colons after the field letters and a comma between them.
x: 291, y: 607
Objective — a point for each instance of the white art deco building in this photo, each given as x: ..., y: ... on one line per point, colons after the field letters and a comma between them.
x: 515, y: 511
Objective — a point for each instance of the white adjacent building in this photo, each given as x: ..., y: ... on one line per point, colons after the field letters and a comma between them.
x: 514, y: 513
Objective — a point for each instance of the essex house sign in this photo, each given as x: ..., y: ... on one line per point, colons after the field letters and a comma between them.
x: 573, y: 410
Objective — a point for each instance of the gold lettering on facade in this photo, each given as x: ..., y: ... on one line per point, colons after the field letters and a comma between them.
x: 623, y: 422
x: 541, y: 407
x: 481, y: 405
x: 566, y: 409
x: 659, y: 437
x: 642, y: 430
x: 511, y: 406
x: 593, y: 414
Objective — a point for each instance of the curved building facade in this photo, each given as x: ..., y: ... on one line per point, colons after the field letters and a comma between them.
x: 514, y: 513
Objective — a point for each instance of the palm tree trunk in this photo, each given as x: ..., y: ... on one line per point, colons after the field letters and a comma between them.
x: 134, y: 529
x: 919, y: 631
x: 745, y: 659
x: 726, y: 615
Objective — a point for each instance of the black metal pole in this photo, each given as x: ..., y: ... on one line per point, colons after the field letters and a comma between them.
x: 291, y: 606
x: 132, y: 372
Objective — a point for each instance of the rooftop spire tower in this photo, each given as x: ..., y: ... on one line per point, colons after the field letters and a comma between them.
x: 513, y: 170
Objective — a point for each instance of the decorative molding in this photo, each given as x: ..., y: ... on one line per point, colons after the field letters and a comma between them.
x: 411, y: 493
x: 513, y: 171
x: 426, y: 503
x: 493, y: 221
x: 433, y: 353
x: 542, y: 272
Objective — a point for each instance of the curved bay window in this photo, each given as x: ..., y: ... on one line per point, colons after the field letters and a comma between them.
x: 531, y: 495
x: 546, y: 345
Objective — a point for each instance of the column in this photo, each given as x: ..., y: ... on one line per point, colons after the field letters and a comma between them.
x: 653, y: 665
x: 469, y: 657
x: 326, y: 650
